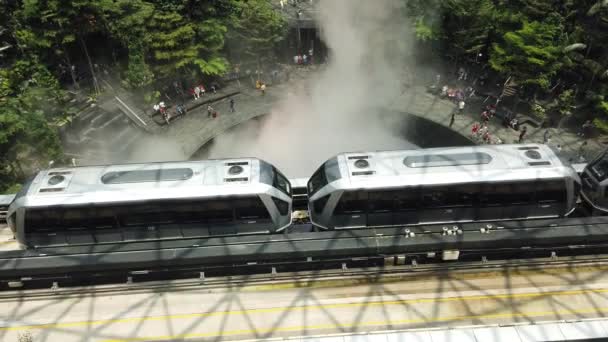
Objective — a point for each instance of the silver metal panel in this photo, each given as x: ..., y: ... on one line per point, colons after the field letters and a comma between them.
x: 6, y: 199
x: 453, y: 335
x: 208, y: 180
x: 540, y: 332
x: 498, y: 334
x: 508, y: 162
x: 414, y: 336
x: 582, y: 330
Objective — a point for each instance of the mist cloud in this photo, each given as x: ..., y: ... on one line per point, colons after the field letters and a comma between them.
x: 339, y: 108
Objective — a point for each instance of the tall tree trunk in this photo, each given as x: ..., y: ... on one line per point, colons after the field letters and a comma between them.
x: 86, y: 52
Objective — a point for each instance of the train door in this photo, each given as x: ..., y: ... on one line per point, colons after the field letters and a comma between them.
x: 252, y: 216
x: 551, y: 198
x: 351, y: 210
x: 519, y: 200
x: 447, y: 203
x: 407, y: 201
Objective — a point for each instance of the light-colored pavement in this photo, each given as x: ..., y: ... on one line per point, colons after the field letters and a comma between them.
x: 262, y: 311
x: 7, y: 243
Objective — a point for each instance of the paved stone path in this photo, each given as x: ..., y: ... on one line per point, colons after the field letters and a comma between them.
x: 417, y: 101
x: 195, y: 129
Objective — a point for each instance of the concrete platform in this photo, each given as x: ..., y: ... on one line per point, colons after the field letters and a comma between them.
x: 281, y: 310
x: 7, y: 242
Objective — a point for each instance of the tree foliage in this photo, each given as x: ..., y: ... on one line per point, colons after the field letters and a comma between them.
x: 255, y: 30
x: 547, y: 46
x: 47, y: 46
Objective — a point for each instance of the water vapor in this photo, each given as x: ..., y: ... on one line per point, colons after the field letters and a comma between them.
x: 342, y: 106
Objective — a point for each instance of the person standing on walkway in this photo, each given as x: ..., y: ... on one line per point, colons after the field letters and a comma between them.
x: 232, y: 105
x: 586, y: 129
x: 485, y: 116
x: 263, y: 88
x: 522, y: 134
x: 452, y: 119
x: 197, y: 92
x: 546, y: 136
x: 209, y: 111
x: 461, y: 105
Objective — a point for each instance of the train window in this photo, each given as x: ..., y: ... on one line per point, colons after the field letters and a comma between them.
x: 319, y: 204
x: 218, y: 211
x: 519, y: 193
x: 141, y: 176
x: 492, y: 194
x: 600, y: 169
x: 250, y: 208
x: 463, y: 194
x: 551, y: 191
x: 282, y: 206
x: 352, y: 202
x: 317, y: 181
x: 433, y: 197
x: 36, y: 220
x: 407, y: 199
x: 332, y: 170
x: 147, y: 214
x: 381, y: 201
x: 456, y: 159
x: 280, y: 182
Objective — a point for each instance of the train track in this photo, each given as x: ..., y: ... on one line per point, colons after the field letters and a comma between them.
x: 321, y: 278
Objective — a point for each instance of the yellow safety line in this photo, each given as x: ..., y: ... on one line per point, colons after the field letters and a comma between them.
x: 312, y: 307
x: 258, y: 332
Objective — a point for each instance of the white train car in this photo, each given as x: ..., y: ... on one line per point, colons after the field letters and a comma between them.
x: 118, y: 203
x: 441, y: 185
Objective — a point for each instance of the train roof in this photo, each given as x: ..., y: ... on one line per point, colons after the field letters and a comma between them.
x: 140, y: 182
x: 5, y: 200
x: 450, y: 165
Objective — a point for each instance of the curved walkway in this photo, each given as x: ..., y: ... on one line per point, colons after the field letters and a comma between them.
x: 196, y: 129
x: 417, y: 101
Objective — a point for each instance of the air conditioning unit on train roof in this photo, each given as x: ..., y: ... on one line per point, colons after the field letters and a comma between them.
x: 237, y: 171
x: 533, y: 156
x: 361, y: 165
x: 55, y: 181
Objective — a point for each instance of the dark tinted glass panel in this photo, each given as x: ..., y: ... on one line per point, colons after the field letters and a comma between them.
x: 282, y: 206
x: 140, y: 176
x: 250, y: 208
x: 352, y: 202
x: 463, y: 195
x: 551, y: 191
x: 317, y: 181
x: 433, y: 197
x: 381, y: 201
x: 218, y: 211
x: 407, y: 199
x: 519, y: 193
x: 434, y: 160
x: 600, y: 169
x: 266, y: 173
x: 319, y: 204
x: 332, y: 170
x: 492, y: 194
x: 281, y: 182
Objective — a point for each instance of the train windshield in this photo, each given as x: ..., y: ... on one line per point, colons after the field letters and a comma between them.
x: 327, y: 173
x: 271, y: 176
x: 600, y: 169
x: 280, y: 182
